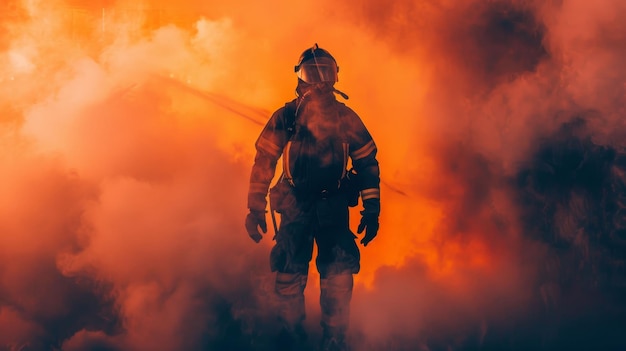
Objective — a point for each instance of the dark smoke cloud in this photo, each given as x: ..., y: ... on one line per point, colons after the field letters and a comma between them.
x: 40, y: 306
x: 529, y: 99
x: 125, y: 146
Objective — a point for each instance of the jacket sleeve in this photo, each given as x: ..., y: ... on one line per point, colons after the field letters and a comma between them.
x: 363, y: 154
x: 269, y: 147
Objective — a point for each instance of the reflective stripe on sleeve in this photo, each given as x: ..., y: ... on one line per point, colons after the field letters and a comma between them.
x: 258, y: 188
x: 364, y: 151
x: 269, y: 147
x: 371, y: 193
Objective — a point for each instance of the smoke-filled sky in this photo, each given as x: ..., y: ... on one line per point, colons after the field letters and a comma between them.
x: 126, y: 141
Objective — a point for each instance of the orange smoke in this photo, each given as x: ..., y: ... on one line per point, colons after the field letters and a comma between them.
x: 126, y: 141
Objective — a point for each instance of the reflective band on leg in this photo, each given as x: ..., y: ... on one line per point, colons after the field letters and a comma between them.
x: 290, y: 283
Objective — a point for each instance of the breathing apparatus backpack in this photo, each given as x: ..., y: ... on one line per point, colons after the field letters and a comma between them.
x: 346, y: 182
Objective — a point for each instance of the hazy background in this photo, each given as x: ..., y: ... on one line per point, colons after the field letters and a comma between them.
x: 126, y: 141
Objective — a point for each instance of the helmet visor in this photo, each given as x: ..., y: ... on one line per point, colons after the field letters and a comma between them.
x: 318, y: 70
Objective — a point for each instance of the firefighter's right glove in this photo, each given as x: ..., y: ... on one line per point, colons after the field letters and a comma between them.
x: 369, y: 220
x: 255, y: 220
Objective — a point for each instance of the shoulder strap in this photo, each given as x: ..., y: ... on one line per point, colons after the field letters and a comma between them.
x: 289, y: 118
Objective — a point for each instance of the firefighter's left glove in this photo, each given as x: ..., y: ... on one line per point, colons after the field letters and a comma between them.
x: 369, y: 220
x: 369, y: 223
x: 255, y: 220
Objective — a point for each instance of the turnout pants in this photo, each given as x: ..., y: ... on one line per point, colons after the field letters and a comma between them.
x: 325, y: 222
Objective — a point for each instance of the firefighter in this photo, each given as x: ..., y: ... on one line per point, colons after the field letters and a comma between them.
x: 317, y: 136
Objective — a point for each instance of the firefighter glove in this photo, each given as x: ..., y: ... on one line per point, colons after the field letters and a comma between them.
x: 255, y: 220
x: 369, y: 223
x: 369, y: 220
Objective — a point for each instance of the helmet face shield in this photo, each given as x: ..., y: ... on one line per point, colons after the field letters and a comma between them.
x: 318, y: 70
x: 317, y: 65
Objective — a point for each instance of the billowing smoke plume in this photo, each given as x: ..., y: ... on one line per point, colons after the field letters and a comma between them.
x: 523, y: 113
x: 126, y: 140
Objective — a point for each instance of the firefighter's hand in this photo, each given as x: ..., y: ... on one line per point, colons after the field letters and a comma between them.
x: 369, y: 223
x: 255, y: 220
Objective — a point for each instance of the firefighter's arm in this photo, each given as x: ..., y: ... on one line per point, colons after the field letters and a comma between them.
x: 269, y: 148
x: 366, y: 165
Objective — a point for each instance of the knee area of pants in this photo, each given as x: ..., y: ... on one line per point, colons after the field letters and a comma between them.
x: 288, y: 284
x: 339, y: 282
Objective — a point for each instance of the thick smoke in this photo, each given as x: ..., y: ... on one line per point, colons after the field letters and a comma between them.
x: 122, y: 193
x: 126, y: 140
x: 525, y: 108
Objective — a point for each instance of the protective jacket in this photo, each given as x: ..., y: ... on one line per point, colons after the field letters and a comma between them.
x: 315, y: 150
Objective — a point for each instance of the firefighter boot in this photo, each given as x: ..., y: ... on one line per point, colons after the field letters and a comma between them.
x: 291, y: 313
x: 336, y: 293
x: 333, y: 339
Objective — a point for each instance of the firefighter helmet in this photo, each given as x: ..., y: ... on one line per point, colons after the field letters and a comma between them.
x: 317, y: 65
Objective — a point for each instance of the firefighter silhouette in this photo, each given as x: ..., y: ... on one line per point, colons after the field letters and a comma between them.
x: 317, y: 137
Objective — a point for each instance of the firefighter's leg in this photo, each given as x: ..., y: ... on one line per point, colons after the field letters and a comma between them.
x: 290, y: 298
x: 291, y: 312
x: 290, y: 259
x: 338, y: 259
x: 335, y: 296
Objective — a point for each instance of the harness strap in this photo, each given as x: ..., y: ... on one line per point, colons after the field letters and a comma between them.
x: 286, y: 168
x: 345, y: 146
